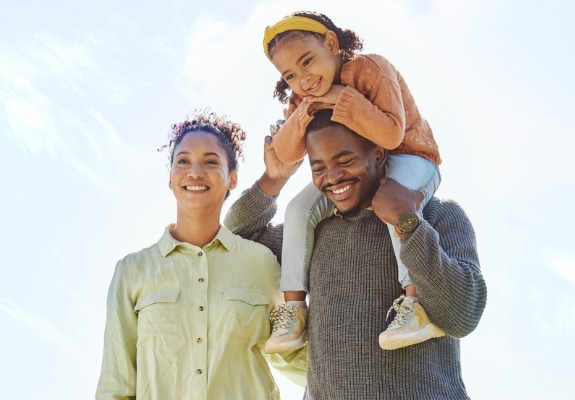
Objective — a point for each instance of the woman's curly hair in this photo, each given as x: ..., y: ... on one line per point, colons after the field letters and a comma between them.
x: 229, y: 134
x: 349, y: 44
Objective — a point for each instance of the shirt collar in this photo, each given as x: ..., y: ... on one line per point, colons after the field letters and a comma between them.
x: 340, y: 216
x: 167, y: 243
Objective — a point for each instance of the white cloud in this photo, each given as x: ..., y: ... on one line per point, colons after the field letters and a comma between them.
x: 42, y: 328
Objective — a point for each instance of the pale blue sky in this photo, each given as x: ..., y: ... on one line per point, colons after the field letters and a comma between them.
x: 88, y: 92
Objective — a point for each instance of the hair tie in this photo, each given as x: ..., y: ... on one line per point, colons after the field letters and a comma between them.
x: 295, y: 23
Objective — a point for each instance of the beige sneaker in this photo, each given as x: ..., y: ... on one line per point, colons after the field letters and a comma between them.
x: 288, y: 329
x: 410, y: 325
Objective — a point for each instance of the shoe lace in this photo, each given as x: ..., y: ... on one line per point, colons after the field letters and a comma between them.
x: 402, y: 313
x: 281, y: 316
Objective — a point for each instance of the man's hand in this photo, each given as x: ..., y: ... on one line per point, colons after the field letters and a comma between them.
x: 277, y: 172
x: 392, y: 200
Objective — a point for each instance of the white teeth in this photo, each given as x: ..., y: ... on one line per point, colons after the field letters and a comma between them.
x: 339, y: 191
x: 196, y: 188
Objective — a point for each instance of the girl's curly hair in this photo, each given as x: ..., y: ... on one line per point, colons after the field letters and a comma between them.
x: 229, y: 134
x: 349, y: 44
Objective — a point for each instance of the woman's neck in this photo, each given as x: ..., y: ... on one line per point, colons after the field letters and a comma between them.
x: 196, y: 228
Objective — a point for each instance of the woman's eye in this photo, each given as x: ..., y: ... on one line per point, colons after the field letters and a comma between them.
x: 211, y: 162
x: 182, y: 161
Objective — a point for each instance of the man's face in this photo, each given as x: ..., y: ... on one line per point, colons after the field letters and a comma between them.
x: 345, y: 167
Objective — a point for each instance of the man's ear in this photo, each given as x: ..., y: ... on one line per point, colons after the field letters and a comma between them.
x: 332, y: 42
x: 380, y: 156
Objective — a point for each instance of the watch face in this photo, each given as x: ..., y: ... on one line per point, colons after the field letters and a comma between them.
x: 407, y: 222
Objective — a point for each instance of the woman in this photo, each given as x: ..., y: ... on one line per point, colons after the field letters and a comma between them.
x: 188, y: 316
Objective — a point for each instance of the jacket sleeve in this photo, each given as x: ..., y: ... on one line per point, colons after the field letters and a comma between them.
x: 371, y: 103
x: 289, y: 141
x: 118, y: 375
x: 250, y: 216
x: 443, y: 263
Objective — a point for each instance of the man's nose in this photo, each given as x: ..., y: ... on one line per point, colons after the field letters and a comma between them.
x: 334, y: 175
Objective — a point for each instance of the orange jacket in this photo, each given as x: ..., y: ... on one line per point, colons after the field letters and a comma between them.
x: 376, y: 103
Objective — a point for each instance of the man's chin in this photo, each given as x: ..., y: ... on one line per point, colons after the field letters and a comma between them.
x: 344, y: 207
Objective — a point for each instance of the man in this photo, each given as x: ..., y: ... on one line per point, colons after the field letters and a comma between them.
x: 353, y: 274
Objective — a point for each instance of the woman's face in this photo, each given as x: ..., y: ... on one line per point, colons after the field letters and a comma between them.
x: 199, y: 176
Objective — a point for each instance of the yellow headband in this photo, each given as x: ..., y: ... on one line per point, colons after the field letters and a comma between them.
x: 292, y: 24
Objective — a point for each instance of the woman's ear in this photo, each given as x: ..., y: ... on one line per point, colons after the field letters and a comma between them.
x: 332, y: 42
x: 233, y: 180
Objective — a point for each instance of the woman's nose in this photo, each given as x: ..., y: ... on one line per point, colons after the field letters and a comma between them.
x: 195, y: 171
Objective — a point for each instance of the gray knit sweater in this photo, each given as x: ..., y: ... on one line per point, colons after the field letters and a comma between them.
x: 353, y: 282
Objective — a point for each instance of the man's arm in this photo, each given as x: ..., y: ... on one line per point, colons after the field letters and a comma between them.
x: 251, y: 214
x: 441, y: 256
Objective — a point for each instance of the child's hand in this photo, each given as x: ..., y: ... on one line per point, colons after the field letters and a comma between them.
x: 329, y: 98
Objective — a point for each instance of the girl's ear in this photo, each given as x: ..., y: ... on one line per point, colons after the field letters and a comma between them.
x: 332, y: 42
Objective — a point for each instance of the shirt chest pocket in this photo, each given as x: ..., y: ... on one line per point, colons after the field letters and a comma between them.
x: 249, y: 311
x: 158, y: 314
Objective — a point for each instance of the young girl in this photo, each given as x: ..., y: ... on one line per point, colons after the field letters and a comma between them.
x: 320, y: 65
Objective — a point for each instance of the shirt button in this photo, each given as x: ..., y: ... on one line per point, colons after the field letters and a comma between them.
x: 200, y: 254
x: 201, y: 308
x: 199, y: 340
x: 199, y: 372
x: 201, y: 280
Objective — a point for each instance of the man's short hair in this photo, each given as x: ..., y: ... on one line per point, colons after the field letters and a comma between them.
x: 321, y: 119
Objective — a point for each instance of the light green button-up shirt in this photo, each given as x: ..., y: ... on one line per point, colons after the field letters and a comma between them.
x: 186, y: 322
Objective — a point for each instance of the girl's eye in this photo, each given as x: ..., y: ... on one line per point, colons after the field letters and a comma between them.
x: 307, y: 61
x: 289, y: 77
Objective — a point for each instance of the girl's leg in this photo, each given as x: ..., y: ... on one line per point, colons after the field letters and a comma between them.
x: 410, y: 324
x: 415, y: 173
x: 289, y: 320
x: 303, y: 213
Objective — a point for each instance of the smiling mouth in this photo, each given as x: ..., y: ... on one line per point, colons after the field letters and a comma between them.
x: 314, y: 87
x: 342, y: 190
x: 195, y: 188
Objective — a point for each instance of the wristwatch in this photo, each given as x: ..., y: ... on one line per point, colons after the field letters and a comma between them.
x: 407, y: 223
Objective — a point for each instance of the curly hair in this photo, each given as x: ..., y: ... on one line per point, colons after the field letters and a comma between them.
x: 349, y: 44
x: 229, y: 134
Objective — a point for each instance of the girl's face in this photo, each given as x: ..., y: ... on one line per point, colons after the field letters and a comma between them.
x: 308, y: 64
x: 200, y: 177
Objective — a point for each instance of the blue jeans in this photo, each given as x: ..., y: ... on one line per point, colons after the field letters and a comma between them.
x: 305, y: 211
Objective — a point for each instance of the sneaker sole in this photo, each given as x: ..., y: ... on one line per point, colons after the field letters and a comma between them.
x: 407, y: 339
x: 271, y: 348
